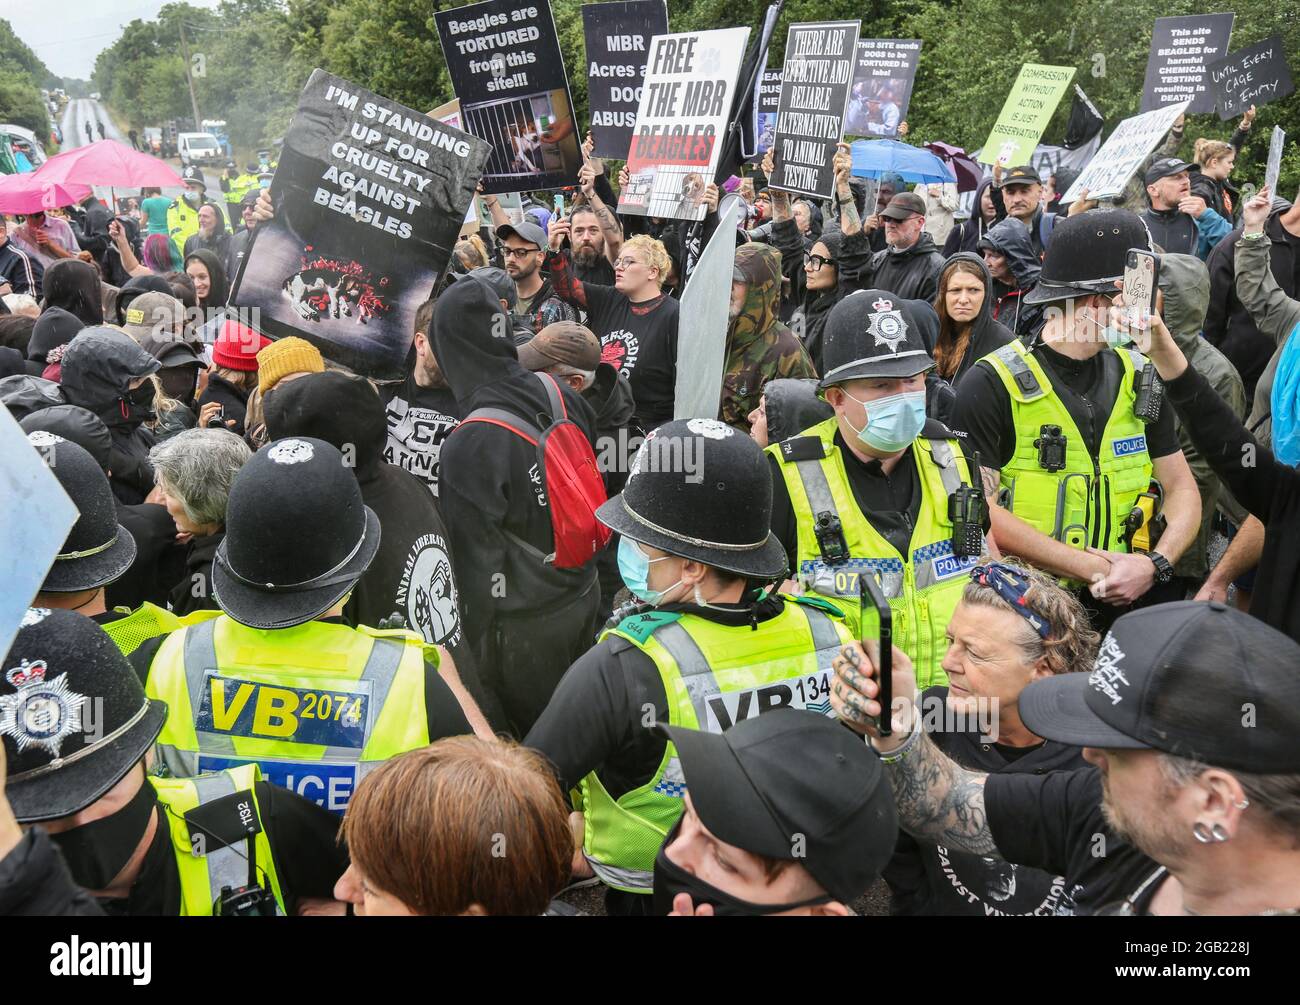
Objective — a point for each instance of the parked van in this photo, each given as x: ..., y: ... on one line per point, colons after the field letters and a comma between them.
x: 199, y: 148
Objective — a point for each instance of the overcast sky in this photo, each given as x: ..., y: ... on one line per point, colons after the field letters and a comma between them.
x: 69, y: 34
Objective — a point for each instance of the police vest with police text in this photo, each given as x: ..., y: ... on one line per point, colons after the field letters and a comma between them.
x: 316, y: 705
x: 1086, y: 502
x: 205, y: 868
x: 924, y: 588
x: 714, y: 676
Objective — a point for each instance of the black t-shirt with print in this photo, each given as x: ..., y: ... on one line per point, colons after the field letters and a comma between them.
x: 419, y: 420
x: 1054, y: 822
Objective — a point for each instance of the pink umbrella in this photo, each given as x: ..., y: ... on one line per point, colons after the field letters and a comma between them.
x: 26, y: 193
x: 108, y: 163
x: 969, y: 174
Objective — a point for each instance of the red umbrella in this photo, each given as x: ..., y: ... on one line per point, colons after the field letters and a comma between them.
x: 25, y: 193
x: 111, y: 164
x: 969, y: 174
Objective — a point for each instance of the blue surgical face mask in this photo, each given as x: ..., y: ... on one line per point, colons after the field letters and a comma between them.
x: 893, y: 422
x: 1113, y: 336
x: 634, y: 566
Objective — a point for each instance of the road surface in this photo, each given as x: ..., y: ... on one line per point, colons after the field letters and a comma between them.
x: 82, y: 111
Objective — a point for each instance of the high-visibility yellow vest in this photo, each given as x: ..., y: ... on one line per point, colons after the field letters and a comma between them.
x: 203, y: 869
x: 182, y: 224
x: 316, y: 706
x: 924, y: 587
x: 1087, y: 501
x: 148, y: 621
x: 714, y: 675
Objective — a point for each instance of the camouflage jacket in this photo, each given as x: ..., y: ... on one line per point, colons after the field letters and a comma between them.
x: 759, y: 347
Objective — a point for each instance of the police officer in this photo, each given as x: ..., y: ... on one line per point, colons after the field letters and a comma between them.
x: 77, y: 729
x: 278, y: 678
x: 183, y: 213
x: 234, y: 192
x: 878, y: 487
x: 1070, y: 431
x: 706, y: 646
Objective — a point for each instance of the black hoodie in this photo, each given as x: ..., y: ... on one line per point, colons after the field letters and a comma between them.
x: 792, y: 405
x: 98, y: 367
x: 986, y: 334
x: 966, y: 234
x: 1011, y: 239
x: 491, y: 479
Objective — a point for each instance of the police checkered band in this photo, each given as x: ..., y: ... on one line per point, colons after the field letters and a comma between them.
x: 698, y: 542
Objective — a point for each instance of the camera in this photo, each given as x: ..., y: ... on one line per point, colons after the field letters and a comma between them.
x: 1051, y: 448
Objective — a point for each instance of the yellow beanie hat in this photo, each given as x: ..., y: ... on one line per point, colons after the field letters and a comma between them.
x: 285, y: 356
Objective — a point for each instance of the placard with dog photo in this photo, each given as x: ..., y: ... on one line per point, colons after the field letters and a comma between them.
x: 369, y: 197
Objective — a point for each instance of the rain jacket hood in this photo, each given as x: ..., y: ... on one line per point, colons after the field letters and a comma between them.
x: 1011, y: 238
x: 98, y: 368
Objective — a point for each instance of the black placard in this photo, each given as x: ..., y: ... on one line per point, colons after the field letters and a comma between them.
x: 882, y: 86
x: 815, y: 81
x: 618, y: 41
x: 1182, y: 48
x: 1254, y: 75
x: 766, y: 108
x: 369, y: 196
x: 506, y: 68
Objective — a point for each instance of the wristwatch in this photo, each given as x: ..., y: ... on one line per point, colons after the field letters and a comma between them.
x: 1164, y: 571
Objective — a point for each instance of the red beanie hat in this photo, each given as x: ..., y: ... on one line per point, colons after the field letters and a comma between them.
x: 237, y: 346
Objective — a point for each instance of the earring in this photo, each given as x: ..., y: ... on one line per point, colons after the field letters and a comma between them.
x: 1201, y: 833
x: 1243, y: 805
x: 1219, y: 833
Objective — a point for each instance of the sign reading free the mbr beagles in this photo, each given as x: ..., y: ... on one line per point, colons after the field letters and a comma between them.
x: 506, y: 68
x: 369, y: 197
x: 815, y: 83
x: 618, y: 41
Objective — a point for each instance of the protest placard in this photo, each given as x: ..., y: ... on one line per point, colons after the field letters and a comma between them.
x: 1123, y: 153
x: 618, y: 41
x: 701, y: 359
x: 506, y: 68
x: 1025, y: 114
x: 750, y: 126
x: 680, y: 124
x: 1274, y: 166
x: 882, y: 86
x: 815, y: 81
x: 1181, y: 50
x: 38, y: 516
x: 1254, y: 75
x: 369, y: 197
x: 767, y: 102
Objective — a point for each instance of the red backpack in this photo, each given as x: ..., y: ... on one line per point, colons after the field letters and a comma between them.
x: 570, y: 479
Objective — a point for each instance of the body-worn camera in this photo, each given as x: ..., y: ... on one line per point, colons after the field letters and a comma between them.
x: 1148, y: 395
x: 830, y: 537
x: 1051, y: 448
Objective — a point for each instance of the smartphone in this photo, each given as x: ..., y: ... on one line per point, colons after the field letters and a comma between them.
x: 558, y: 204
x: 1141, y: 281
x: 877, y: 619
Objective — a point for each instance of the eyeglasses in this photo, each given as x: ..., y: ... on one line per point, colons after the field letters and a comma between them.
x: 624, y: 263
x: 520, y: 252
x: 815, y: 262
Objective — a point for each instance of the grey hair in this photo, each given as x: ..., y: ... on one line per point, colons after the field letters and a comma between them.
x: 564, y: 370
x: 1276, y: 796
x: 197, y: 467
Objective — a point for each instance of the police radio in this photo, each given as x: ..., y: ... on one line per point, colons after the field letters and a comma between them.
x: 1051, y: 448
x: 1149, y: 394
x: 967, y: 511
x: 830, y: 537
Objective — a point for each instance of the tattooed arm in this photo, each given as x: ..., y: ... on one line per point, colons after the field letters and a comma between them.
x: 850, y: 219
x: 936, y: 798
x: 610, y: 227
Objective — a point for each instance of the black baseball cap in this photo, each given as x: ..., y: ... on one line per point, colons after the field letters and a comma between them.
x: 1163, y: 168
x: 496, y: 280
x: 752, y: 788
x: 73, y: 715
x: 1198, y: 680
x: 873, y: 333
x: 1026, y: 174
x: 529, y: 232
x: 903, y: 206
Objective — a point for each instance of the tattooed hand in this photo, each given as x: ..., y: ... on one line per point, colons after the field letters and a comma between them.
x: 854, y: 691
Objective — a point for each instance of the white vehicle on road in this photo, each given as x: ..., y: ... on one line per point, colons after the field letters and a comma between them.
x: 199, y: 148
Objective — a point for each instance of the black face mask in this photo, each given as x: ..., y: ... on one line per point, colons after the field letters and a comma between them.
x: 96, y: 852
x: 671, y: 879
x: 180, y: 382
x: 137, y: 406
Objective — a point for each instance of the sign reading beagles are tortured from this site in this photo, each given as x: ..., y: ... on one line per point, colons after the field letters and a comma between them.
x: 690, y: 84
x: 369, y: 197
x: 815, y: 81
x: 506, y: 68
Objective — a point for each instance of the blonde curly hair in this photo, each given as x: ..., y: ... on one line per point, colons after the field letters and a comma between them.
x: 1072, y: 646
x: 655, y: 252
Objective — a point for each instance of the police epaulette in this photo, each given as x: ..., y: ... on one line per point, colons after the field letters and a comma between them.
x: 936, y: 430
x: 802, y: 448
x: 643, y: 624
x: 820, y: 603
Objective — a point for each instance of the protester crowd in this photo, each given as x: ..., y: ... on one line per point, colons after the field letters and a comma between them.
x: 506, y: 626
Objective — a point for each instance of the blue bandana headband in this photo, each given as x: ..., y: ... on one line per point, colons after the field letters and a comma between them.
x: 1011, y: 585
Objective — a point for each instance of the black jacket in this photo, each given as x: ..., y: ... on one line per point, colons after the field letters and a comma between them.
x: 1172, y: 230
x: 20, y: 270
x: 912, y: 274
x: 853, y: 253
x: 986, y: 334
x: 35, y: 882
x: 1012, y: 239
x: 1212, y: 190
x: 193, y: 592
x: 234, y: 401
x: 1228, y: 325
x: 966, y: 234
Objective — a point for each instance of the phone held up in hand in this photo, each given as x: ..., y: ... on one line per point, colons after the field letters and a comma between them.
x: 876, y: 619
x: 1141, y: 280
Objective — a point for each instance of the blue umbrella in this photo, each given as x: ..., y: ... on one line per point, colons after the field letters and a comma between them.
x: 874, y: 158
